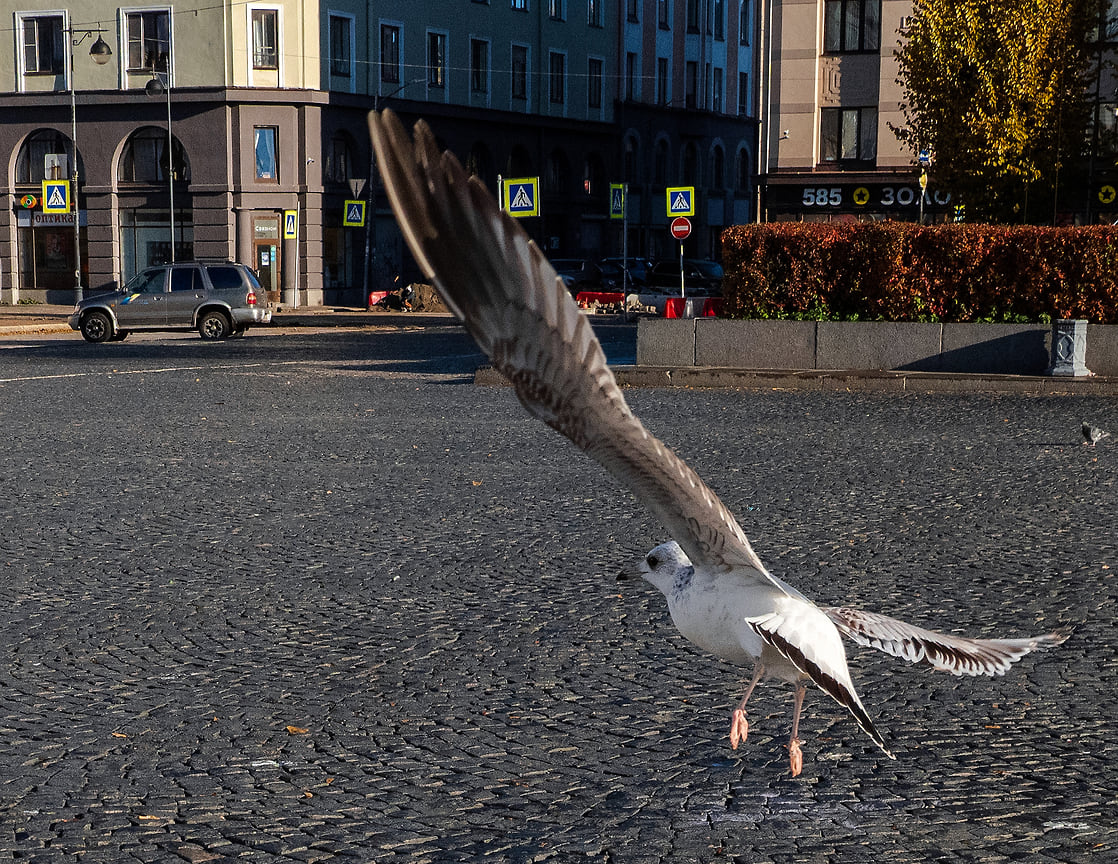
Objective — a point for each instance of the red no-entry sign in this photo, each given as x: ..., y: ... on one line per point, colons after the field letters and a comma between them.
x: 681, y: 227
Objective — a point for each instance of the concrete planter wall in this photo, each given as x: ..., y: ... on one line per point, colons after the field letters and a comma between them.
x: 1011, y: 349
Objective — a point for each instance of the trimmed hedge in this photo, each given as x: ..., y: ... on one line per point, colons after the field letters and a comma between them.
x: 896, y: 271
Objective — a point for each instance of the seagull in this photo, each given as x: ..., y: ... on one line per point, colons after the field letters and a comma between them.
x: 1093, y: 434
x: 720, y: 596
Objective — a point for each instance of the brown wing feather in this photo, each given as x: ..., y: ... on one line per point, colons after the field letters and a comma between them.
x: 511, y: 300
x: 958, y: 655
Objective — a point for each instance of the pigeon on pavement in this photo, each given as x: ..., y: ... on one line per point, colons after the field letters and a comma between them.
x: 1093, y: 434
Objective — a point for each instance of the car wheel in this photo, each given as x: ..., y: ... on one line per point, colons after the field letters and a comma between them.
x: 96, y: 327
x: 214, y: 325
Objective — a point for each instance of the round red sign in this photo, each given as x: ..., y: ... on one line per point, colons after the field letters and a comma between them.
x: 681, y: 227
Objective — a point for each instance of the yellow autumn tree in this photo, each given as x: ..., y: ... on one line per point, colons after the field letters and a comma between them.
x: 998, y: 90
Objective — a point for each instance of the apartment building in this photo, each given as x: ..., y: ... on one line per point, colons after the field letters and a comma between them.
x: 686, y: 112
x: 189, y: 129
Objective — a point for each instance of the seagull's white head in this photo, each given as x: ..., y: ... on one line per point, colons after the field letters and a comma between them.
x: 664, y: 566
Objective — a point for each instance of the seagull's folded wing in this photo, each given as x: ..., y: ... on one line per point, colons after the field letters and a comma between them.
x: 509, y: 297
x: 958, y: 655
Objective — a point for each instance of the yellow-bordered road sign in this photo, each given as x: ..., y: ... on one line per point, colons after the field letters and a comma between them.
x: 56, y: 196
x: 354, y: 215
x: 681, y: 200
x: 290, y: 224
x: 522, y: 196
x: 616, y: 200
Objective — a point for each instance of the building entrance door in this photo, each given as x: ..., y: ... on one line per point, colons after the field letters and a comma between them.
x: 266, y: 254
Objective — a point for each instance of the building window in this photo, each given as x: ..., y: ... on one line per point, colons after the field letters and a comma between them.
x: 632, y: 11
x: 630, y: 75
x: 43, y: 45
x: 848, y: 134
x: 341, y: 46
x: 556, y: 11
x: 45, y: 155
x: 743, y: 22
x: 743, y: 93
x: 594, y: 83
x: 479, y: 66
x: 719, y: 11
x: 594, y: 13
x: 660, y: 163
x: 692, y: 16
x: 389, y: 53
x: 745, y: 164
x: 557, y: 78
x: 661, y: 80
x: 852, y: 25
x: 691, y: 164
x: 144, y: 159
x: 264, y: 146
x: 436, y: 59
x: 149, y: 41
x: 519, y: 5
x: 339, y: 160
x: 663, y: 15
x: 265, y: 47
x: 519, y: 71
x: 716, y: 86
x: 718, y: 168
x: 691, y: 84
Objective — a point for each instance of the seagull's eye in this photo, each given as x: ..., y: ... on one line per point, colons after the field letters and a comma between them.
x: 653, y: 561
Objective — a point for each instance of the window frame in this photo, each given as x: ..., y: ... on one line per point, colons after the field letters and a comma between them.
x: 58, y: 38
x: 437, y: 67
x: 556, y: 95
x: 868, y: 37
x: 258, y: 177
x: 259, y: 56
x: 385, y: 27
x: 350, y: 21
x: 595, y: 82
x: 834, y: 128
x: 523, y: 93
x: 481, y: 75
x: 142, y: 14
x: 557, y: 10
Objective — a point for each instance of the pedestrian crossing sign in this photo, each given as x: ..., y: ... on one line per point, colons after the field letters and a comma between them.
x: 681, y: 200
x: 354, y: 214
x: 290, y: 224
x: 522, y: 196
x: 56, y: 196
x: 616, y: 200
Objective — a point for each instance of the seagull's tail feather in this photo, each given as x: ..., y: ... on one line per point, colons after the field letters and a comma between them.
x: 821, y: 658
x: 958, y: 655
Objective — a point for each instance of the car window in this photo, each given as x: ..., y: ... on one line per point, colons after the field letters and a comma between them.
x: 187, y: 279
x: 147, y: 282
x: 224, y: 277
x: 253, y: 282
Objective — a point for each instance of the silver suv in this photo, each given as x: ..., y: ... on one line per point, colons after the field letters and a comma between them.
x: 219, y: 298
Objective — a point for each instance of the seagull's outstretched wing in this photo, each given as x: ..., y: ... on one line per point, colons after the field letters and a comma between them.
x: 958, y: 655
x: 511, y: 300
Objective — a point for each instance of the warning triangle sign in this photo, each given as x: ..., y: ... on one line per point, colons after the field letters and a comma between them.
x: 681, y: 201
x: 522, y: 200
x: 57, y: 198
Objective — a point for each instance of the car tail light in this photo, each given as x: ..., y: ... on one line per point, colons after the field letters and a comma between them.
x: 251, y: 299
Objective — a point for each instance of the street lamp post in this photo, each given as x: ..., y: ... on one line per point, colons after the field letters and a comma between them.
x: 155, y: 87
x: 100, y: 52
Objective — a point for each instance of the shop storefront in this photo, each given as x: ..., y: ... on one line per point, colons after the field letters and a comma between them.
x: 46, y: 249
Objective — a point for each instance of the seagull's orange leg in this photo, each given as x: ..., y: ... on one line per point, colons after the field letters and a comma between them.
x: 795, y: 756
x: 739, y: 726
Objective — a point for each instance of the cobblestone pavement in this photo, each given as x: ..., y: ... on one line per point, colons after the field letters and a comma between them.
x: 319, y: 598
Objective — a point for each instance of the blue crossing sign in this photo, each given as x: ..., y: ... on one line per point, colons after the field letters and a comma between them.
x: 56, y: 196
x: 616, y: 200
x: 681, y: 200
x: 354, y: 216
x: 290, y: 224
x: 522, y: 196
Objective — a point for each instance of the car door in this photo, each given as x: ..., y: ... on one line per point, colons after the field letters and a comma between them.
x: 188, y: 290
x: 146, y: 302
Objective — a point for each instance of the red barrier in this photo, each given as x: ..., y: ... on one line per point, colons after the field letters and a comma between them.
x: 375, y: 297
x: 602, y: 298
x: 712, y: 308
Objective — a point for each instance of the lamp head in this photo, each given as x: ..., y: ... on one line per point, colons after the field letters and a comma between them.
x: 100, y: 51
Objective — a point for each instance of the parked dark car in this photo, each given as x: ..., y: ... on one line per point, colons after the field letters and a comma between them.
x: 638, y: 271
x: 701, y: 278
x: 218, y: 298
x: 578, y: 274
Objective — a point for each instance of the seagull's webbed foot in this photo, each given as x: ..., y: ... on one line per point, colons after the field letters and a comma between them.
x: 739, y: 726
x: 795, y: 757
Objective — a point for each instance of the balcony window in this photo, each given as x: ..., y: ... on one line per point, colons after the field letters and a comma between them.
x: 265, y: 36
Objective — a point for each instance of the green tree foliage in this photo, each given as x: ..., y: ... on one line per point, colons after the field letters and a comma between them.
x: 998, y: 89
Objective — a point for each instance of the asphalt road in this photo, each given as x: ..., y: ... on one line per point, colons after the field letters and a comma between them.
x: 317, y: 597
